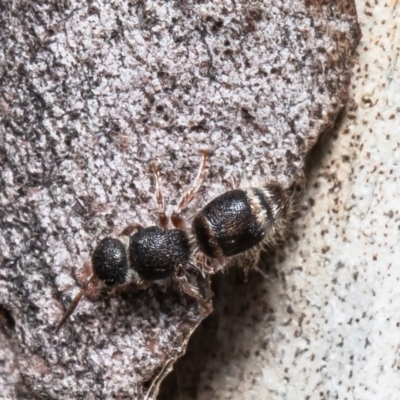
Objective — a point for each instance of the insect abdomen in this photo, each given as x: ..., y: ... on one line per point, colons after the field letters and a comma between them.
x: 226, y: 225
x: 237, y: 220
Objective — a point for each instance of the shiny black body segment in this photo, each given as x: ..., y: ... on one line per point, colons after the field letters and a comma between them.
x: 227, y: 226
x: 109, y: 261
x: 154, y: 253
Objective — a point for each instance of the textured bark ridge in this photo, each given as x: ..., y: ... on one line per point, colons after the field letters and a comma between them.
x: 90, y: 95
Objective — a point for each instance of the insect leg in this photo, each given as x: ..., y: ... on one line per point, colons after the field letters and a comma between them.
x: 159, y: 198
x: 189, y: 195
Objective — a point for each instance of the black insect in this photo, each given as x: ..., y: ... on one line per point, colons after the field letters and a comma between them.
x: 153, y: 253
x: 234, y: 223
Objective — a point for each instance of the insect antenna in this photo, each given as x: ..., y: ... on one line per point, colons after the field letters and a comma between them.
x: 74, y: 303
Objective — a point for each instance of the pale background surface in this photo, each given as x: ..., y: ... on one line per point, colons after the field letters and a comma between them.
x: 328, y: 326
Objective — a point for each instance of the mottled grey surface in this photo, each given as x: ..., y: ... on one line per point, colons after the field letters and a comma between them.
x: 89, y: 95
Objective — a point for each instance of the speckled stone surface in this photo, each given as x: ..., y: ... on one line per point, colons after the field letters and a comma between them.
x: 327, y: 325
x: 89, y: 95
